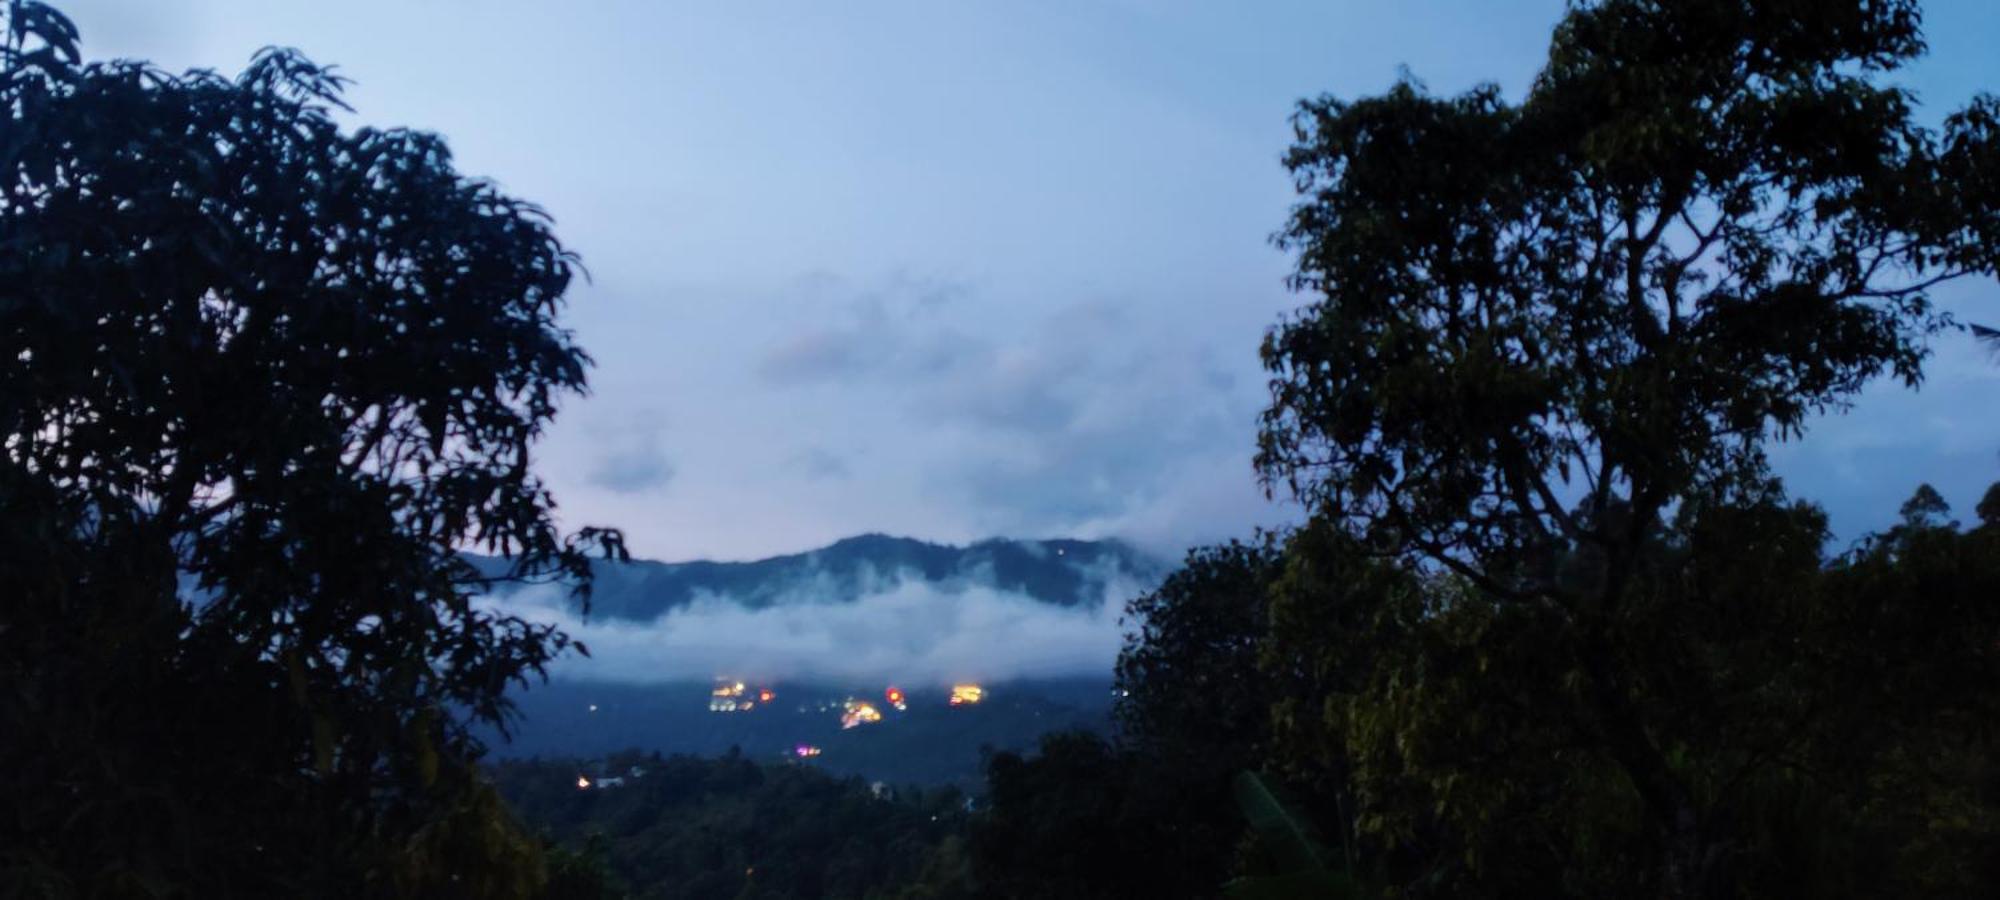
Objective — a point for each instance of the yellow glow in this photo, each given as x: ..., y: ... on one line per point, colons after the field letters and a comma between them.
x: 855, y: 712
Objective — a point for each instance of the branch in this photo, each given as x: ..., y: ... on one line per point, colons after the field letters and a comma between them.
x: 1671, y: 279
x: 1637, y: 248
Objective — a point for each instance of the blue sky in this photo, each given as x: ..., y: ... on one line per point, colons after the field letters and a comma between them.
x: 957, y: 269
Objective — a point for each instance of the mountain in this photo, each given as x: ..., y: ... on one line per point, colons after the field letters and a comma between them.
x: 588, y: 712
x: 1059, y: 572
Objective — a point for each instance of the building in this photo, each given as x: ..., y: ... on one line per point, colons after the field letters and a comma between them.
x: 855, y: 713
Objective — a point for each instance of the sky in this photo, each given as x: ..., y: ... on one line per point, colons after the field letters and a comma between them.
x: 960, y: 269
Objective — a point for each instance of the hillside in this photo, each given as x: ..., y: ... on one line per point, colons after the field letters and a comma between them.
x: 1059, y: 572
x: 682, y: 827
x: 647, y: 684
x: 930, y: 742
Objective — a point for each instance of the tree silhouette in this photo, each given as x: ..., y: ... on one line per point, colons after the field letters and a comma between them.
x: 1548, y: 342
x: 263, y: 379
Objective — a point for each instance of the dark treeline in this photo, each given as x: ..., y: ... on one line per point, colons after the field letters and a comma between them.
x: 1551, y: 625
x: 261, y: 380
x: 1080, y: 818
x: 1830, y: 718
x: 687, y: 827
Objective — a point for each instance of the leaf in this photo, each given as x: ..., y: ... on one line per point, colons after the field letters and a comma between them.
x: 1283, y: 830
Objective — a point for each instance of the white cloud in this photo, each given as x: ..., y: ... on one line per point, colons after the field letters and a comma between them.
x: 903, y: 630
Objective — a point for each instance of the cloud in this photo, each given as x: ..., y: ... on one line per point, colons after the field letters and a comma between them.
x: 818, y: 464
x: 1075, y: 420
x: 815, y: 356
x: 1100, y: 418
x: 630, y: 460
x: 905, y: 629
x: 887, y: 332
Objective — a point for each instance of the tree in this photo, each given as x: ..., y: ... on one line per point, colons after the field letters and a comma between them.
x: 1988, y: 509
x: 1193, y: 712
x: 1084, y: 818
x: 263, y: 379
x: 682, y: 827
x: 1549, y: 340
x: 1906, y: 640
x: 1188, y: 677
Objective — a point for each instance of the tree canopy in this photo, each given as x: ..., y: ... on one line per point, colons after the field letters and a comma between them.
x: 264, y: 378
x: 1553, y: 627
x: 1554, y: 624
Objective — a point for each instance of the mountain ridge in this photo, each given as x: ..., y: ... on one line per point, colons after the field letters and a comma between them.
x: 1061, y: 572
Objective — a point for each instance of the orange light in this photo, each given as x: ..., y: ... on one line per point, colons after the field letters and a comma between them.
x: 765, y: 695
x: 855, y: 712
x: 966, y: 694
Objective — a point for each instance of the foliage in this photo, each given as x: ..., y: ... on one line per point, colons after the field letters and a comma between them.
x: 1150, y: 814
x: 1303, y: 867
x: 1188, y: 681
x: 1547, y: 344
x: 1831, y: 716
x: 582, y: 873
x: 1084, y: 818
x: 263, y: 379
x: 732, y: 827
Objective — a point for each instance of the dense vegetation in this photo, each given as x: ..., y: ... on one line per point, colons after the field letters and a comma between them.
x: 263, y: 379
x: 1552, y: 626
x: 1080, y: 818
x: 684, y: 827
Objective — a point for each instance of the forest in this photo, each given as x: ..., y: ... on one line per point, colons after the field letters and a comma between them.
x: 1551, y: 624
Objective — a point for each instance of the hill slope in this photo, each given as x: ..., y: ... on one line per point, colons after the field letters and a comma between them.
x: 1059, y: 572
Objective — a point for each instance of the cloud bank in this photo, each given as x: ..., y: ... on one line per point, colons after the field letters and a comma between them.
x: 905, y: 630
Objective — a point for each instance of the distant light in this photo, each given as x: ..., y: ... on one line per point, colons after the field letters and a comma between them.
x: 765, y: 695
x: 593, y: 707
x: 582, y: 783
x: 1059, y: 551
x: 855, y: 713
x: 966, y: 694
x: 729, y: 696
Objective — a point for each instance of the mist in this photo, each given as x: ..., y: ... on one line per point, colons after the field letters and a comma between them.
x: 901, y: 629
